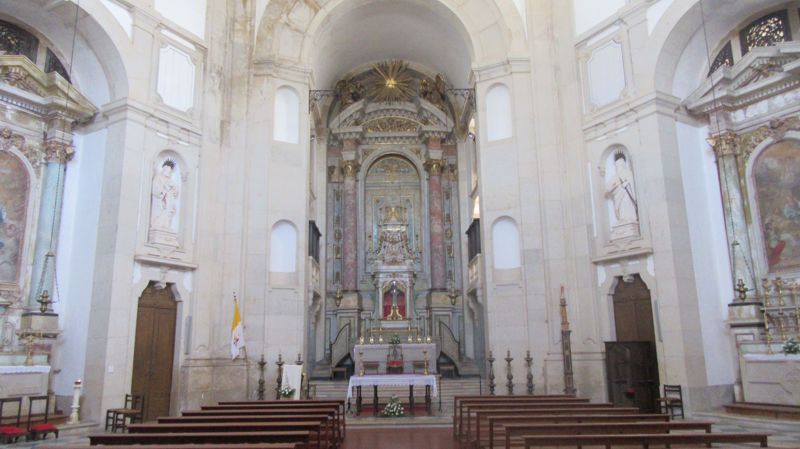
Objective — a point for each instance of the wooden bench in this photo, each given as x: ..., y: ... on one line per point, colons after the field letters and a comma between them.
x: 496, y: 421
x: 514, y: 432
x: 546, y: 409
x: 314, y: 426
x: 458, y: 412
x: 184, y: 446
x: 645, y: 440
x: 295, y: 436
x: 335, y: 408
x: 458, y: 399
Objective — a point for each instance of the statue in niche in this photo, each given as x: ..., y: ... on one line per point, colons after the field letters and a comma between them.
x: 393, y: 245
x: 164, y: 205
x: 621, y: 190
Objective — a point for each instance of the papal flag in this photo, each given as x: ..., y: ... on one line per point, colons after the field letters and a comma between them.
x: 237, y: 332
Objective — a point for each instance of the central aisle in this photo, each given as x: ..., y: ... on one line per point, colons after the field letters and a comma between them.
x: 400, y: 437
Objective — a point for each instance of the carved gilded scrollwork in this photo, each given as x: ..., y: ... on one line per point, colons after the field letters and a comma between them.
x: 392, y: 124
x: 57, y: 151
x: 434, y: 166
x: 9, y: 139
x: 350, y: 168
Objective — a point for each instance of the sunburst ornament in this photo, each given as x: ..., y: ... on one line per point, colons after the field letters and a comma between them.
x: 390, y: 81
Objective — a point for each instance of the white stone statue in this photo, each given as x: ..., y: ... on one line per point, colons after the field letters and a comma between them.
x: 164, y: 205
x: 621, y: 190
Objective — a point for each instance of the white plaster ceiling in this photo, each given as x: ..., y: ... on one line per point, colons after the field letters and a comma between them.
x: 418, y: 31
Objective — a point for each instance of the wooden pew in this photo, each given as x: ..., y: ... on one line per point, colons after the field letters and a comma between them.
x: 116, y: 439
x: 339, y: 421
x: 185, y: 446
x: 543, y: 398
x: 458, y: 413
x: 645, y: 440
x: 328, y: 418
x: 514, y: 431
x: 496, y: 421
x: 546, y: 409
x: 313, y: 426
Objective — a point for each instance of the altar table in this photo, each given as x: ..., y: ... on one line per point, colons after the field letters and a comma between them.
x: 412, y: 352
x: 393, y: 380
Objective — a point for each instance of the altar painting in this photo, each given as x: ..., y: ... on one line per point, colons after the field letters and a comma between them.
x: 14, y: 189
x: 776, y: 174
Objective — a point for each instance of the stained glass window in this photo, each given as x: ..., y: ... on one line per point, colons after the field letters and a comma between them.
x: 765, y: 31
x: 16, y: 41
x: 53, y: 64
x: 724, y: 57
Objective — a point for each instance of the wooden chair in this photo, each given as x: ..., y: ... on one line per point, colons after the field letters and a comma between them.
x: 338, y: 369
x: 418, y: 366
x: 672, y: 401
x: 449, y: 369
x: 42, y: 428
x: 133, y: 411
x: 10, y: 433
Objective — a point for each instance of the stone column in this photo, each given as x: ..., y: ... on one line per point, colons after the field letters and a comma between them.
x: 434, y: 166
x: 349, y: 223
x: 735, y: 207
x: 58, y: 152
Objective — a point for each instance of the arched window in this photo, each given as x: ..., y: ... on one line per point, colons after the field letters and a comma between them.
x: 283, y: 248
x: 498, y: 113
x: 505, y: 244
x: 287, y: 116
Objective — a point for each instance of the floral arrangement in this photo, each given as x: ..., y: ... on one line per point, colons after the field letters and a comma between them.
x: 394, y: 409
x: 395, y: 340
x: 286, y: 391
x: 791, y: 347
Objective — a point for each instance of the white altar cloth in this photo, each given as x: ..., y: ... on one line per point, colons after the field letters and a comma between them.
x: 412, y: 352
x: 24, y: 369
x: 394, y: 380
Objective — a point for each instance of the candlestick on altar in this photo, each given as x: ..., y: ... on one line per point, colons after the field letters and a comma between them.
x: 74, y: 417
x: 425, y: 356
x: 509, y: 373
x: 491, y: 373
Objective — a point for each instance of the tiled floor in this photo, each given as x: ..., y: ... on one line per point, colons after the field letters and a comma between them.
x: 406, y: 435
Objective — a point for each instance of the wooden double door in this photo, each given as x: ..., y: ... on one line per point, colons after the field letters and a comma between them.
x: 631, y: 360
x: 154, y: 350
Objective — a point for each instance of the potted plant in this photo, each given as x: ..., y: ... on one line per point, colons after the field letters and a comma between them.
x: 286, y: 392
x: 791, y: 347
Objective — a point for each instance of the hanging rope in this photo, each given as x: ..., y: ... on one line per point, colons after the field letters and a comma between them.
x: 59, y: 187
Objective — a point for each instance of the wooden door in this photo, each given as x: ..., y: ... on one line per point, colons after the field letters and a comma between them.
x: 631, y: 361
x: 154, y: 349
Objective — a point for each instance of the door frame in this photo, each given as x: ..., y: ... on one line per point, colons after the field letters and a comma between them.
x: 173, y: 281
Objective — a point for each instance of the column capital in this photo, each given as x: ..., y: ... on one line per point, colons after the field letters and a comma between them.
x: 725, y: 144
x: 58, y: 151
x: 350, y: 168
x: 434, y: 166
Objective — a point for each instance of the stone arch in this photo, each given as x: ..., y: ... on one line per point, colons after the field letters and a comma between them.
x: 102, y: 47
x: 681, y: 25
x: 287, y: 28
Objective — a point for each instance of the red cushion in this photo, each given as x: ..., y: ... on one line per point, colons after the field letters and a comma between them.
x: 11, y: 430
x: 394, y: 363
x: 44, y: 427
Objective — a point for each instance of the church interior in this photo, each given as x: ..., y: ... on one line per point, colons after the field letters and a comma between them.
x: 316, y: 223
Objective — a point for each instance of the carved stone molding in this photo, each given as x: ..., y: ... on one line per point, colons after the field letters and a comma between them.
x: 9, y: 139
x: 350, y: 168
x: 726, y: 144
x: 776, y: 129
x: 57, y: 151
x: 434, y: 166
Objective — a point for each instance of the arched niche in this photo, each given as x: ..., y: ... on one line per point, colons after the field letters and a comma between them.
x: 286, y: 122
x: 775, y: 176
x: 15, y: 194
x: 619, y: 187
x: 498, y: 113
x: 283, y: 248
x: 505, y: 244
x: 168, y: 199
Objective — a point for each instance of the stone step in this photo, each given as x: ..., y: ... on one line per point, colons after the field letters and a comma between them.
x: 772, y: 411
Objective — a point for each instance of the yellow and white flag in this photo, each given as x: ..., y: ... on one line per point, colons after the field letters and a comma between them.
x: 237, y: 331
